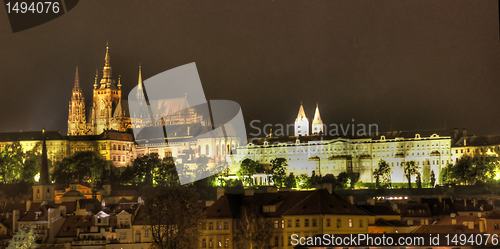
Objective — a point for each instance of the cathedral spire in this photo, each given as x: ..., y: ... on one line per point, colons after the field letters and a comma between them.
x: 317, y: 123
x: 95, y: 79
x: 317, y: 117
x: 140, y: 85
x: 44, y: 168
x: 76, y: 82
x: 106, y: 70
x: 302, y: 113
x: 139, y: 79
x: 301, y: 123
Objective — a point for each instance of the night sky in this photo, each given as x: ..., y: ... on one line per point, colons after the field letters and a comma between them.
x: 406, y: 65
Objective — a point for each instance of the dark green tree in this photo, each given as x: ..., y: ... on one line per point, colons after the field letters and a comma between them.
x: 329, y: 178
x: 353, y: 179
x: 150, y: 170
x: 290, y: 181
x: 382, y: 175
x: 278, y: 171
x: 32, y: 161
x: 433, y: 179
x: 470, y: 170
x: 86, y: 166
x: 410, y: 169
x: 419, y: 181
x: 11, y: 163
x: 315, y: 179
x: 304, y: 181
x: 248, y: 168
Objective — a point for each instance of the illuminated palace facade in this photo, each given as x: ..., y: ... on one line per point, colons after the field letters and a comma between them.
x: 309, y: 151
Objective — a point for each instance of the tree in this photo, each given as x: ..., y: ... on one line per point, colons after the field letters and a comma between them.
x: 32, y: 161
x: 278, y: 171
x: 315, y: 179
x: 353, y: 179
x: 253, y: 231
x: 150, y: 170
x: 410, y: 169
x: 174, y: 213
x: 329, y: 178
x: 24, y: 238
x: 419, y: 181
x: 304, y: 181
x: 85, y: 166
x: 11, y: 163
x: 342, y: 180
x: 472, y: 170
x: 433, y: 179
x: 290, y: 181
x: 382, y: 175
x: 445, y: 174
x: 248, y: 168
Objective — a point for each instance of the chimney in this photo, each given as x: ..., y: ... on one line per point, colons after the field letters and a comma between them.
x: 28, y: 205
x: 15, y: 217
x: 220, y: 192
x: 249, y: 192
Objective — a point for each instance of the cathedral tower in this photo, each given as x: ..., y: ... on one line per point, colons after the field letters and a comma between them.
x: 317, y: 123
x: 77, y: 121
x: 107, y: 109
x: 301, y: 123
x: 43, y: 190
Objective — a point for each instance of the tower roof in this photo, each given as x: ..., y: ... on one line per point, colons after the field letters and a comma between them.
x: 76, y: 82
x: 139, y: 79
x: 106, y: 70
x: 302, y: 113
x: 317, y: 117
x: 44, y: 167
x: 140, y: 86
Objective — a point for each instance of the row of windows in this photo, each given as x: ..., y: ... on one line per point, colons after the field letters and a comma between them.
x: 211, y: 243
x: 120, y: 147
x: 215, y: 225
x: 314, y: 223
x: 119, y: 158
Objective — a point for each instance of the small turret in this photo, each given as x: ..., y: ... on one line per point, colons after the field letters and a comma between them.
x: 317, y: 123
x: 301, y: 123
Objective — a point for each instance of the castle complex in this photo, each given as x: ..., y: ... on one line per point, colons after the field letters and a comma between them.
x: 105, y: 129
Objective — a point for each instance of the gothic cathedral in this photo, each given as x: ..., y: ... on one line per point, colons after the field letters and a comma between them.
x: 107, y: 111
